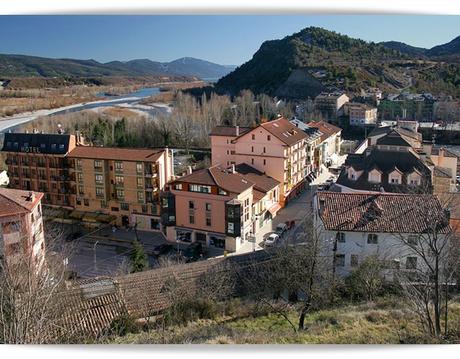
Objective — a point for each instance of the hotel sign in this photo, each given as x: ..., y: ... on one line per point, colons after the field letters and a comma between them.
x: 30, y: 149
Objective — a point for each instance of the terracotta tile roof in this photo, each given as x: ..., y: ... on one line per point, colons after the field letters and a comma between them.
x: 261, y: 181
x: 113, y: 153
x: 228, y: 131
x: 326, y: 128
x: 284, y: 130
x: 15, y: 201
x: 381, y: 212
x: 218, y: 176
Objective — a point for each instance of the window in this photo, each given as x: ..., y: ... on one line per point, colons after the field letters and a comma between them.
x: 99, y: 192
x: 208, y: 207
x: 118, y: 166
x: 80, y: 177
x: 268, y: 138
x: 124, y: 206
x: 81, y: 190
x: 264, y: 149
x: 191, y: 219
x: 230, y: 228
x: 78, y: 164
x: 200, y: 188
x: 222, y: 192
x: 120, y: 193
x: 341, y: 237
x: 86, y: 202
x: 411, y: 263
x: 412, y: 240
x: 119, y: 180
x: 252, y: 148
x: 99, y: 179
x: 372, y: 238
x: 191, y: 205
x: 340, y: 260
x: 97, y: 164
x: 103, y: 204
x: 208, y: 221
x: 253, y: 137
x: 140, y: 182
x: 178, y: 186
x: 354, y: 262
x: 252, y: 161
x: 265, y: 161
x: 140, y: 196
x: 139, y: 167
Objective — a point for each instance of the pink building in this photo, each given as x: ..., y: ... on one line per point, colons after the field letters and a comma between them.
x: 220, y: 207
x: 276, y: 148
x: 21, y: 226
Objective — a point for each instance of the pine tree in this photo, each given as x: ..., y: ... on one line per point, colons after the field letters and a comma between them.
x: 139, y: 260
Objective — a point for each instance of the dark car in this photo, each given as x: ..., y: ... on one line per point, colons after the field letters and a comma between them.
x: 163, y: 249
x: 194, y: 252
x: 73, y: 236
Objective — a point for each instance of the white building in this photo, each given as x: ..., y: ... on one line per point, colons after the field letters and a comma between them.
x: 361, y: 114
x: 390, y: 226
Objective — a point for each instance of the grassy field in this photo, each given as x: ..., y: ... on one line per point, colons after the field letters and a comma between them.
x: 380, y: 322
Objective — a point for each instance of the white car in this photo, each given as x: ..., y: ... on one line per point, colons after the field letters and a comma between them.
x: 271, y: 240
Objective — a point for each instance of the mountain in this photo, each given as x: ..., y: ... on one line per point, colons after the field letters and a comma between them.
x: 314, y: 60
x: 25, y: 66
x: 452, y: 48
x: 404, y: 48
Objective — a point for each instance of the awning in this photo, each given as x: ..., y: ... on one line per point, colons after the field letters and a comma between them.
x: 274, y: 209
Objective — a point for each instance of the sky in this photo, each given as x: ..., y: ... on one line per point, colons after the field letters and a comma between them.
x: 228, y: 40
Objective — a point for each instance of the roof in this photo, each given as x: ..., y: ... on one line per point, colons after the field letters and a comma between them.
x: 36, y: 143
x: 382, y: 212
x: 228, y: 131
x: 406, y: 162
x: 284, y: 130
x: 15, y: 201
x: 442, y: 172
x: 435, y: 152
x: 261, y: 181
x: 360, y: 105
x: 220, y: 177
x: 112, y: 153
x: 326, y: 128
x: 329, y: 95
x: 393, y: 138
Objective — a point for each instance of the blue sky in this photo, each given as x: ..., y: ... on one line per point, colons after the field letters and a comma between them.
x: 222, y: 39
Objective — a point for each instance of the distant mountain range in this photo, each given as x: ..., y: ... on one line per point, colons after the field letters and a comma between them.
x: 30, y: 66
x: 314, y: 60
x: 450, y: 50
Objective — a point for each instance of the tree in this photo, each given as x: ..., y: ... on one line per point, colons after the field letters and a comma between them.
x: 367, y: 280
x: 139, y: 261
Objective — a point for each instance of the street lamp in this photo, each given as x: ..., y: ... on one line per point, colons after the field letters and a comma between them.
x: 94, y: 248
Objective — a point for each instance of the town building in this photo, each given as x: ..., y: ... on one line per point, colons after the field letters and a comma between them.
x: 330, y: 143
x: 121, y: 182
x: 419, y: 107
x: 360, y: 114
x: 220, y: 207
x: 394, y: 159
x: 21, y: 227
x: 276, y: 148
x: 354, y: 226
x: 37, y: 162
x: 330, y: 105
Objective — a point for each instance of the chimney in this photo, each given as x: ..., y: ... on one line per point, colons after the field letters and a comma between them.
x: 189, y: 170
x: 237, y: 130
x: 30, y: 197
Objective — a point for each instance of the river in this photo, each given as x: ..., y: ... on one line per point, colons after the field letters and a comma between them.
x: 131, y: 99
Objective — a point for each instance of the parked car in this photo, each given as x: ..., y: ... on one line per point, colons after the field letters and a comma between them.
x: 73, y: 236
x: 281, y: 229
x: 163, y: 249
x: 271, y: 240
x: 194, y: 252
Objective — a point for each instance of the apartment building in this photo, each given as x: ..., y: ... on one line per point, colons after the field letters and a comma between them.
x: 220, y: 207
x: 37, y: 162
x: 392, y: 227
x: 276, y: 148
x: 328, y: 150
x: 360, y: 114
x: 21, y: 227
x: 330, y: 105
x: 121, y: 182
